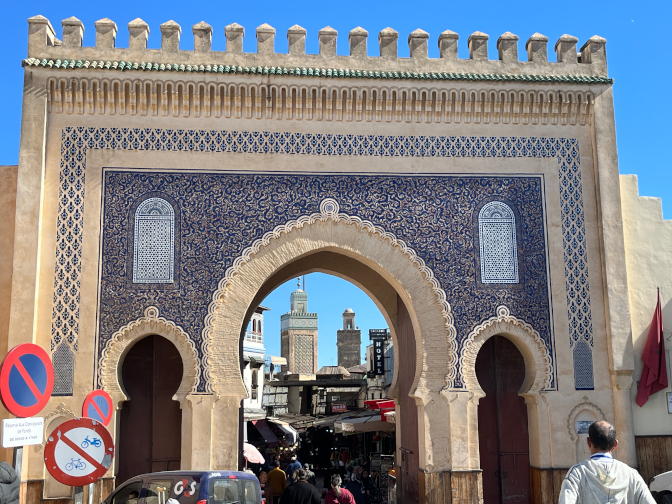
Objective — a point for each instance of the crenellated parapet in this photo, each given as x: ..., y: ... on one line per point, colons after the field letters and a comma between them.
x: 587, y: 66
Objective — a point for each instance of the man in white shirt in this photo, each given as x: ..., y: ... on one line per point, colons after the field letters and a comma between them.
x: 601, y: 479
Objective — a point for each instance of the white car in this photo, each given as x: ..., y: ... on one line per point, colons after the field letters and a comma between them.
x: 661, y: 488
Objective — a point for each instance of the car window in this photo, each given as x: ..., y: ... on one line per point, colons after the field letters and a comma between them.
x: 158, y: 491
x: 233, y: 491
x: 128, y: 494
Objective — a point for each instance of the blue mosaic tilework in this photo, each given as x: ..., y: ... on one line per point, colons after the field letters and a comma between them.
x: 216, y: 228
x: 76, y: 141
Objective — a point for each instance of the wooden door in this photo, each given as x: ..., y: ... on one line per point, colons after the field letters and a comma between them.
x: 150, y: 434
x: 502, y: 424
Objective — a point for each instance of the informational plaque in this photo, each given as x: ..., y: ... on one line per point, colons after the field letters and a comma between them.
x: 22, y: 432
x: 582, y: 426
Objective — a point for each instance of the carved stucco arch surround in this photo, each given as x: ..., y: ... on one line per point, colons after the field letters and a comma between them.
x: 538, y: 376
x: 538, y: 363
x: 370, y: 244
x: 121, y: 342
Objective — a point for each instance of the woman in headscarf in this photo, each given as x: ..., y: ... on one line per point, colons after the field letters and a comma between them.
x: 338, y: 495
x: 370, y: 489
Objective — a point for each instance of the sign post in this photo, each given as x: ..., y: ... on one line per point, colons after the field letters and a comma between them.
x: 79, y: 452
x: 26, y: 383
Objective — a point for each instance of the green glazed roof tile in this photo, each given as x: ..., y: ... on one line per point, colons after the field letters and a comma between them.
x: 313, y: 72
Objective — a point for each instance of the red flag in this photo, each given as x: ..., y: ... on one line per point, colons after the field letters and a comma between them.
x: 654, y: 374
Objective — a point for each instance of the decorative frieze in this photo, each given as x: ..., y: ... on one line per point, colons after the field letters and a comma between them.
x: 240, y: 98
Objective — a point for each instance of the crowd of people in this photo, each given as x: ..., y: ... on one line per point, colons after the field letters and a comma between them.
x: 296, y: 483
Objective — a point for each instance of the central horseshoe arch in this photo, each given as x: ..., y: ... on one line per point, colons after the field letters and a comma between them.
x: 318, y: 244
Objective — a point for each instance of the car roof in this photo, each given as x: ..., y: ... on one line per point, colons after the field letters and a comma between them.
x: 170, y: 474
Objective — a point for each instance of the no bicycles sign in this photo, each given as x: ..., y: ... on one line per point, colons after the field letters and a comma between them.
x: 79, y: 452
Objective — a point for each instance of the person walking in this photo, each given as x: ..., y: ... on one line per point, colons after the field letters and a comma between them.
x: 9, y: 484
x: 601, y: 479
x: 301, y: 492
x: 356, y: 487
x: 338, y: 495
x: 291, y: 467
x: 277, y: 483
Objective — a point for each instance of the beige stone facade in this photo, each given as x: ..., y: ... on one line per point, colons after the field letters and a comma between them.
x: 527, y: 131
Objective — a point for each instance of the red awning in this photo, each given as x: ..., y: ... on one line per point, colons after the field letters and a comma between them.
x: 381, y: 404
x: 267, y: 433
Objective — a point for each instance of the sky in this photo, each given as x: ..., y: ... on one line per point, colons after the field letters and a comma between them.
x: 329, y: 296
x: 637, y: 51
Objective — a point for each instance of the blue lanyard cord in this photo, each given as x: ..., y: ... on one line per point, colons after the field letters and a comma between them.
x: 602, y: 457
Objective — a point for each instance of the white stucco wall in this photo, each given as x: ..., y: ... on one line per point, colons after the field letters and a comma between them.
x: 648, y: 247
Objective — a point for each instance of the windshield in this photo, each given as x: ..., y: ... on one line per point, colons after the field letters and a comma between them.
x: 234, y: 491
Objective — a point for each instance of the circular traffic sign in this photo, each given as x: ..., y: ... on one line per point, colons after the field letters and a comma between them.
x: 98, y: 406
x: 79, y: 452
x: 26, y: 380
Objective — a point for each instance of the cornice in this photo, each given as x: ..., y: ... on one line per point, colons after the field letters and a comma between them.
x: 328, y: 73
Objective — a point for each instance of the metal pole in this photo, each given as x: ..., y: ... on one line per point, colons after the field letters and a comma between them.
x: 18, y: 460
x: 91, y: 490
x: 79, y: 495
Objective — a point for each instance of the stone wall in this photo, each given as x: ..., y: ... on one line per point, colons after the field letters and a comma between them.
x: 349, y: 343
x: 648, y: 241
x: 8, y: 179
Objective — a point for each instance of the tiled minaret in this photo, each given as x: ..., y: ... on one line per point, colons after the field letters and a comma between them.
x: 298, y: 335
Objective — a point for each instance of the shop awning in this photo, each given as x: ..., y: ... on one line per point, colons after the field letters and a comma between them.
x: 250, y: 414
x: 250, y: 357
x: 291, y: 436
x: 267, y: 433
x: 278, y: 360
x: 369, y: 423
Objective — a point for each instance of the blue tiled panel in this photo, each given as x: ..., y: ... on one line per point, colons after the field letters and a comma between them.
x: 76, y: 141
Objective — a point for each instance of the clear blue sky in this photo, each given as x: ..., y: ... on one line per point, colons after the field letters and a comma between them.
x: 329, y: 296
x: 638, y: 53
x: 637, y: 33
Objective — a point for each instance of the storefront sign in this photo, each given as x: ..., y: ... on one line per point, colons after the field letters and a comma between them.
x: 338, y: 407
x: 377, y: 333
x: 378, y: 355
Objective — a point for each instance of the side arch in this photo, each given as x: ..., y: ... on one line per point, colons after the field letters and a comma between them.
x: 118, y: 346
x: 538, y: 376
x: 538, y: 363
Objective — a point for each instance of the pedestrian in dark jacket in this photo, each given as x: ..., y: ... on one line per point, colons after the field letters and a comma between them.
x: 301, y: 492
x: 356, y: 489
x: 9, y: 484
x: 291, y: 467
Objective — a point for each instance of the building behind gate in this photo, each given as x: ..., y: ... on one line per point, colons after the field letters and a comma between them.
x: 164, y: 193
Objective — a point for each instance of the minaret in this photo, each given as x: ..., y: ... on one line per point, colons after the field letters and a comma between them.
x: 298, y: 335
x: 349, y: 341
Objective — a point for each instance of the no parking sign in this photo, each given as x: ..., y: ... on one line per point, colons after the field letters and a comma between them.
x: 26, y: 380
x: 98, y: 405
x: 79, y: 452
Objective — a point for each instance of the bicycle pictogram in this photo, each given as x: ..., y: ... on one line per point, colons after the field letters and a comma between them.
x: 93, y: 442
x: 75, y: 464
